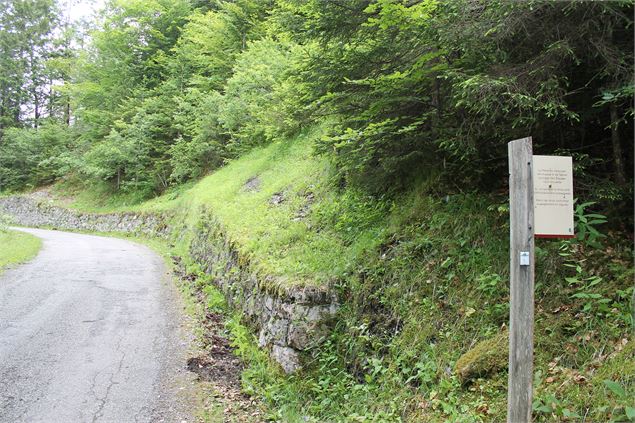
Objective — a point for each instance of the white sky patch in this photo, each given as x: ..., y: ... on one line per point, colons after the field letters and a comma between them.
x: 78, y: 10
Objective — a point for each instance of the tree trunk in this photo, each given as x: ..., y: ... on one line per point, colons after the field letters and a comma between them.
x: 618, y: 163
x: 36, y: 106
x: 67, y: 110
x: 50, y: 98
x: 34, y: 93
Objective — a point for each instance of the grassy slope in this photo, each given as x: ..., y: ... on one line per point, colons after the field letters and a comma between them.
x: 17, y: 247
x: 423, y: 278
x: 279, y: 239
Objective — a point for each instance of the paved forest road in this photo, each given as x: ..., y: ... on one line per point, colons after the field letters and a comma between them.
x: 92, y: 331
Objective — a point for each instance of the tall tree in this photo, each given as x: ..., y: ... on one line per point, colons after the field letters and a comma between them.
x: 26, y: 35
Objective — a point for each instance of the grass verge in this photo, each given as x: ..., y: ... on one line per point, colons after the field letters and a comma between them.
x: 17, y: 247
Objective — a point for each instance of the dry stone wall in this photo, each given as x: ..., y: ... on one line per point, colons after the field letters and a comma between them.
x: 27, y: 211
x: 288, y: 319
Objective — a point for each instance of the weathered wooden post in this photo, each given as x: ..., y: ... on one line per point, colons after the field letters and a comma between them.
x: 521, y: 281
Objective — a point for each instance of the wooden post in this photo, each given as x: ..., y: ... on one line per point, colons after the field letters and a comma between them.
x: 521, y: 282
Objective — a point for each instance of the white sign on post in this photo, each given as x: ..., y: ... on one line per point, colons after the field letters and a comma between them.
x: 553, y: 196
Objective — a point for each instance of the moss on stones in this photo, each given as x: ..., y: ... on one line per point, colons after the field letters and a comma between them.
x: 487, y: 357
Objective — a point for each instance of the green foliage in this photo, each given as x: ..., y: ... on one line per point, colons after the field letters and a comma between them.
x: 420, y: 84
x: 215, y: 299
x: 605, y: 396
x: 585, y: 225
x: 148, y: 93
x: 211, y: 43
x: 489, y: 283
x: 200, y: 143
x: 591, y: 290
x: 252, y: 110
x: 32, y: 157
x: 409, y: 90
x: 29, y: 31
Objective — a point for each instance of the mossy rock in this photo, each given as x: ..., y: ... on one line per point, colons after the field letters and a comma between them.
x: 486, y: 358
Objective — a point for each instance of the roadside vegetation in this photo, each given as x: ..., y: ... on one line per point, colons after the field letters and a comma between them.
x: 16, y: 247
x: 359, y: 145
x: 422, y: 277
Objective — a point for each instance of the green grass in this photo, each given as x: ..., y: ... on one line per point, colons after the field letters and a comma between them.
x: 431, y: 289
x: 423, y: 279
x: 271, y: 235
x: 278, y: 237
x: 17, y: 247
x: 95, y: 197
x: 291, y: 224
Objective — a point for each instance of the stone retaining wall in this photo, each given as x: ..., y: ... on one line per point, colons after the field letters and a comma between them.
x: 288, y: 320
x: 26, y: 211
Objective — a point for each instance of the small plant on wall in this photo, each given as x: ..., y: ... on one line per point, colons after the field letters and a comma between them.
x: 5, y: 221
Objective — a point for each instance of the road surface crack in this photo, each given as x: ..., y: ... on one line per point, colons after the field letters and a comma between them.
x: 111, y: 383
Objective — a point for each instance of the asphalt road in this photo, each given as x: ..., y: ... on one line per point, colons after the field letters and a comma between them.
x: 92, y: 330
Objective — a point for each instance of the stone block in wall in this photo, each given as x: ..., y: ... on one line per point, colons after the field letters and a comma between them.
x: 288, y: 358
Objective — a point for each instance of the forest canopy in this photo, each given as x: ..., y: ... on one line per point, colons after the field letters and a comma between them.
x: 154, y: 93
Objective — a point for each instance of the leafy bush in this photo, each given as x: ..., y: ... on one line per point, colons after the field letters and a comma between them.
x: 34, y: 156
x: 252, y: 111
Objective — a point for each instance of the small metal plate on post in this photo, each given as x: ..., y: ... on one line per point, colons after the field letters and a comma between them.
x: 524, y: 258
